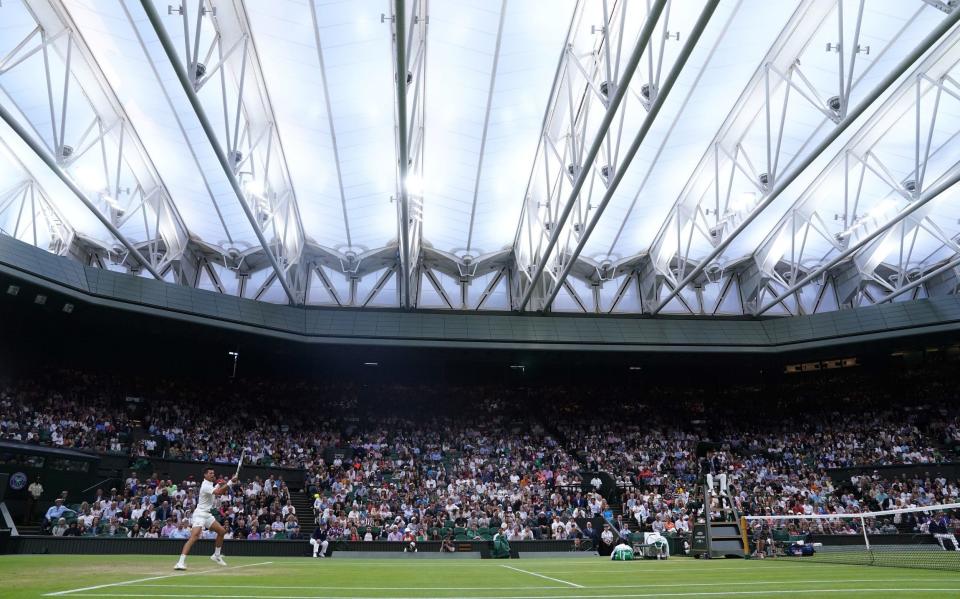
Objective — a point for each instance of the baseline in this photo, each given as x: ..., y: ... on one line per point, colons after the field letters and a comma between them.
x: 149, y: 578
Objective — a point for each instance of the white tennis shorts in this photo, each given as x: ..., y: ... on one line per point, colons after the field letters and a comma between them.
x: 205, y: 520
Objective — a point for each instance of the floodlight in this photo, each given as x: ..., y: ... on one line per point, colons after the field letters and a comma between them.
x: 414, y: 185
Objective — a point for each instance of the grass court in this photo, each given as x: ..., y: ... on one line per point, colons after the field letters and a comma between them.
x: 303, y: 578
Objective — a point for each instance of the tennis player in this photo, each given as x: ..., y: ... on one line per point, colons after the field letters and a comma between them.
x: 203, y: 519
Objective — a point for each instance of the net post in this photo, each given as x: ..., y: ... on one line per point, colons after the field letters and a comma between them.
x: 863, y: 527
x: 866, y: 539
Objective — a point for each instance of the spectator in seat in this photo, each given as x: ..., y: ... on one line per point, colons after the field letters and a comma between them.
x: 293, y: 527
x: 73, y: 530
x: 591, y: 533
x: 60, y: 528
x: 55, y: 512
x: 163, y: 512
x: 181, y: 532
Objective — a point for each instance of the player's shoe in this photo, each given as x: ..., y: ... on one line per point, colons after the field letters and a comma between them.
x: 180, y: 567
x: 217, y: 559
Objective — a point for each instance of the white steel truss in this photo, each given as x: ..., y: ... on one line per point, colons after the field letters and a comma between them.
x: 248, y: 146
x: 631, y: 151
x: 869, y: 227
x: 754, y: 230
x: 409, y: 43
x: 748, y: 159
x: 28, y: 214
x: 85, y: 130
x: 591, y: 96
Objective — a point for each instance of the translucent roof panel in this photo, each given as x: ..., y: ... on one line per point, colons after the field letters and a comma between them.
x: 124, y: 44
x: 710, y: 84
x: 504, y: 99
x: 483, y: 126
x: 346, y: 202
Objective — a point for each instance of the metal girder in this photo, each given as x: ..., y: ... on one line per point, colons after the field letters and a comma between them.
x: 847, y: 283
x: 14, y: 209
x: 945, y: 6
x: 771, y: 183
x: 381, y: 281
x: 942, y: 280
x: 568, y: 123
x: 228, y: 164
x: 880, y: 215
x: 41, y: 152
x: 931, y: 194
x: 661, y: 97
x: 705, y: 209
x: 252, y: 135
x: 409, y: 45
x: 106, y: 159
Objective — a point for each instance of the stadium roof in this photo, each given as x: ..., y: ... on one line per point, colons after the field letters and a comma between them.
x: 601, y: 156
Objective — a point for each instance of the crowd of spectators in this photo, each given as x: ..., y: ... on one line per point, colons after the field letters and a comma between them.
x: 777, y: 450
x: 449, y: 477
x: 78, y: 411
x: 403, y: 462
x: 157, y: 508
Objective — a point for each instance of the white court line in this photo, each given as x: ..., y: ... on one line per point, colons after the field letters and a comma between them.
x: 645, y: 565
x: 592, y: 586
x: 128, y: 582
x: 633, y: 569
x: 542, y: 576
x: 352, y: 588
x: 952, y: 591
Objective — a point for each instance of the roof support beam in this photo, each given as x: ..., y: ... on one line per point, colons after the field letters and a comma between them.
x: 15, y: 200
x: 128, y: 181
x: 937, y: 272
x: 187, y: 83
x: 410, y: 56
x: 781, y: 184
x: 648, y: 121
x: 942, y: 280
x: 873, y: 222
x: 152, y: 190
x: 928, y: 196
x: 857, y: 217
x: 378, y: 286
x: 52, y: 164
x: 585, y: 165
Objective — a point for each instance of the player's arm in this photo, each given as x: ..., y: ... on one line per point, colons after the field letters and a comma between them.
x: 223, y: 488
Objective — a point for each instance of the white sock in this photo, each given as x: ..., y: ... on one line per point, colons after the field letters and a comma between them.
x: 216, y: 552
x: 183, y: 559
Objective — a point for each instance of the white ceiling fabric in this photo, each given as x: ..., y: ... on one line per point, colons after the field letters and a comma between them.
x: 316, y: 137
